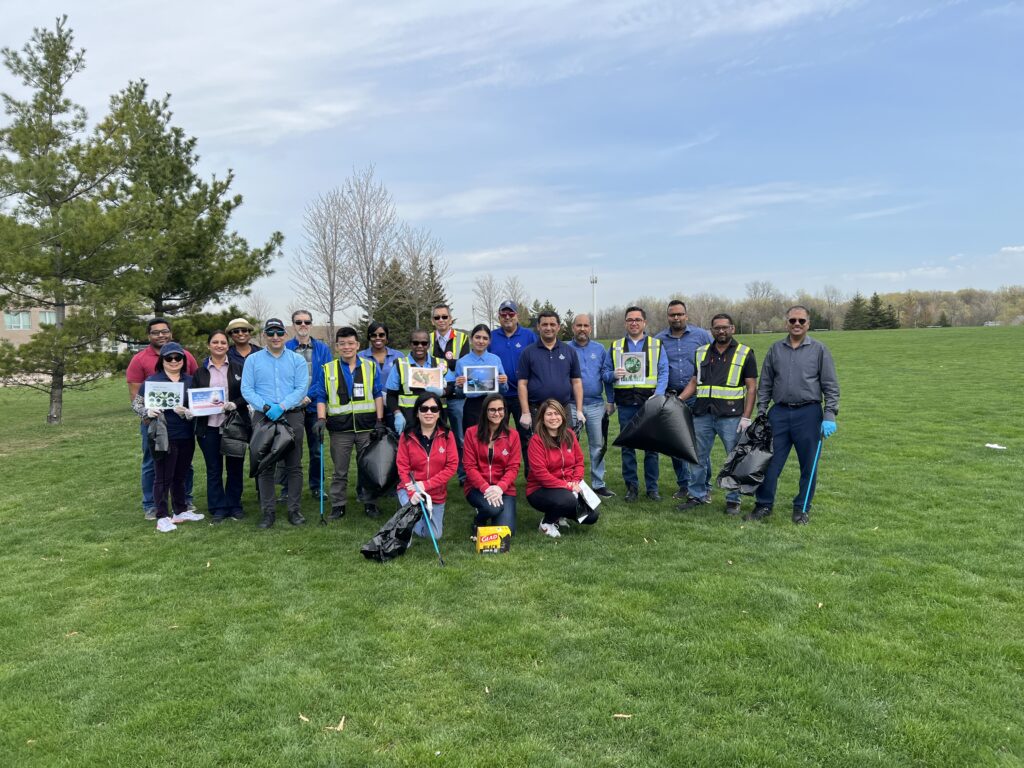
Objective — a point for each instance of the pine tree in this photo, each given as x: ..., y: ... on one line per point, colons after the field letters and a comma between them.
x: 876, y: 313
x: 856, y: 318
x: 434, y: 289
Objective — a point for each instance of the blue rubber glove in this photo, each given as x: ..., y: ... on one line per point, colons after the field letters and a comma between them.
x: 828, y: 428
x: 275, y: 412
x: 399, y: 422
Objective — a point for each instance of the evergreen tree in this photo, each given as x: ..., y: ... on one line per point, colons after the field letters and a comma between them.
x: 397, y: 314
x: 63, y: 231
x: 565, y: 332
x: 892, y: 319
x: 944, y: 319
x: 856, y: 318
x: 434, y: 288
x: 877, y: 317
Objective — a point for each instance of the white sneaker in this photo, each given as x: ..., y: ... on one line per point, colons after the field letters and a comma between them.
x: 191, y: 507
x: 186, y: 517
x: 550, y: 529
x: 564, y: 522
x: 165, y: 525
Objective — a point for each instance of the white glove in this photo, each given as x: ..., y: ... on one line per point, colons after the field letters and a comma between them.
x: 526, y: 420
x: 580, y: 418
x: 152, y: 413
x: 493, y: 495
x: 184, y: 412
x: 742, y: 426
x: 229, y: 407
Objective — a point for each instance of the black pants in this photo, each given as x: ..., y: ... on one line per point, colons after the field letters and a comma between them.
x: 512, y: 409
x: 555, y: 503
x: 169, y: 475
x: 292, y: 461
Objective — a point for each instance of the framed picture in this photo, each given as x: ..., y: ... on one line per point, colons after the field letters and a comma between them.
x: 206, y: 401
x: 422, y: 378
x: 481, y: 379
x: 161, y: 395
x: 635, y: 364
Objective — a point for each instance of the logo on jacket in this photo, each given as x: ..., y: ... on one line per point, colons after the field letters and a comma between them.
x: 518, y: 345
x: 561, y: 357
x: 505, y: 452
x: 440, y: 449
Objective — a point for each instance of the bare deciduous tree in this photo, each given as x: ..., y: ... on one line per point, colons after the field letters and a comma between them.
x: 257, y: 309
x: 486, y: 297
x: 319, y: 268
x: 416, y: 249
x: 369, y: 231
x: 512, y: 290
x: 764, y: 304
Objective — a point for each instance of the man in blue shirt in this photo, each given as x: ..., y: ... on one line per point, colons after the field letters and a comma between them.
x: 274, y: 383
x: 633, y: 389
x: 680, y: 342
x: 508, y: 341
x: 597, y: 377
x: 548, y: 369
x: 316, y: 354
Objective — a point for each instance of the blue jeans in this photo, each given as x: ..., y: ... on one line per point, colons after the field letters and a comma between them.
x: 308, y: 420
x: 455, y: 409
x: 706, y: 427
x: 436, y: 517
x: 626, y: 414
x: 149, y: 474
x: 488, y: 515
x: 798, y: 428
x: 594, y: 413
x: 221, y: 499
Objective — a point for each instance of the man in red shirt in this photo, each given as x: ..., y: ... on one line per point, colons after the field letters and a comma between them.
x: 141, y: 367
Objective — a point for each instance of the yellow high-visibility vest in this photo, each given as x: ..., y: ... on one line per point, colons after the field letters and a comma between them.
x: 363, y: 410
x: 406, y: 397
x: 458, y: 343
x: 653, y: 348
x: 734, y: 388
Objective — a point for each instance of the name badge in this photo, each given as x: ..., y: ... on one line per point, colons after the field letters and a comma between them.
x: 357, y: 391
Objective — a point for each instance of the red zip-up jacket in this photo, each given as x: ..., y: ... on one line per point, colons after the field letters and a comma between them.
x: 501, y: 470
x: 434, y: 471
x: 553, y: 467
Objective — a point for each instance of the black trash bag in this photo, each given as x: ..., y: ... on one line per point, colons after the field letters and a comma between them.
x: 744, y: 469
x: 605, y: 422
x: 393, y: 538
x: 378, y: 466
x: 664, y: 424
x: 270, y: 441
x: 235, y: 434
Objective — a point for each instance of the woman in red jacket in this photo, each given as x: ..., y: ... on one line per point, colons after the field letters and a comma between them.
x: 427, y: 459
x: 556, y: 469
x: 490, y: 454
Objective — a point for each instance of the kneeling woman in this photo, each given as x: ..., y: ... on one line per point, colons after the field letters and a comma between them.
x: 556, y: 469
x: 427, y: 460
x: 491, y: 456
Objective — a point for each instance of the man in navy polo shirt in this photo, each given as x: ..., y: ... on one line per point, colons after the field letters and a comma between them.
x: 549, y: 369
x: 508, y: 341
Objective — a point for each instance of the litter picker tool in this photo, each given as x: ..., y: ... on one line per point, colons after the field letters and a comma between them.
x: 810, y: 483
x: 430, y: 524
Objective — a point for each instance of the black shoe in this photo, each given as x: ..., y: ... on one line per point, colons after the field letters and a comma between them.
x: 631, y: 494
x: 800, y: 518
x: 267, y: 521
x: 732, y: 507
x: 217, y: 519
x: 296, y: 518
x: 237, y: 515
x: 314, y: 492
x: 336, y: 513
x: 761, y: 511
x: 653, y: 496
x: 692, y: 503
x: 681, y: 494
x: 604, y: 492
x: 371, y: 510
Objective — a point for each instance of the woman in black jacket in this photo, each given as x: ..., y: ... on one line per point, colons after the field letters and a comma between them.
x: 224, y: 500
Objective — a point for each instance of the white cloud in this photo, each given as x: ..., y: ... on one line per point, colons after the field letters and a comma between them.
x: 884, y: 212
x: 480, y: 201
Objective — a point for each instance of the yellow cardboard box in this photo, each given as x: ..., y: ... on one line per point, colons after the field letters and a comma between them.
x: 492, y: 539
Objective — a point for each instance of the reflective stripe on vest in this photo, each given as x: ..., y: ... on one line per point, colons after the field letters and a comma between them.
x: 650, y: 374
x: 733, y: 389
x: 363, y: 405
x: 455, y: 346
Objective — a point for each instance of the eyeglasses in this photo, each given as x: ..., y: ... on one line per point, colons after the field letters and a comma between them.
x: 274, y: 333
x: 441, y: 317
x: 164, y: 332
x: 234, y: 331
x: 796, y: 320
x: 495, y: 410
x: 302, y: 322
x: 507, y: 314
x: 717, y: 328
x: 634, y: 319
x: 420, y: 343
x: 378, y: 335
x: 174, y: 358
x: 430, y: 409
x: 677, y: 314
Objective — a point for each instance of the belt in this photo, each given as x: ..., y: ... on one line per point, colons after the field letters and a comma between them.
x: 798, y: 405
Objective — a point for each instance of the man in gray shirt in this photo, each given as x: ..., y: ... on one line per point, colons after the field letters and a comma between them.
x: 797, y: 373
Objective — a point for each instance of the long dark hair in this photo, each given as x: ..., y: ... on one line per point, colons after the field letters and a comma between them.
x: 483, y: 426
x: 412, y: 426
x: 564, y: 437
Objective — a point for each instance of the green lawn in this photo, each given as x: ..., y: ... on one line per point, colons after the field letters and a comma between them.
x: 886, y: 633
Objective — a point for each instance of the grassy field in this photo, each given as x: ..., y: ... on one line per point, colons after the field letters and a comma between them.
x: 888, y: 632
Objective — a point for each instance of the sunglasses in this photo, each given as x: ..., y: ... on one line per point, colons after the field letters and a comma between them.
x: 378, y: 335
x: 507, y: 314
x: 273, y: 334
x: 440, y: 317
x: 175, y: 358
x: 430, y: 409
x: 302, y: 322
x: 233, y: 331
x: 797, y: 320
x: 420, y: 343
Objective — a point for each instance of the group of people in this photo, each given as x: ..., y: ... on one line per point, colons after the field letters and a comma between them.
x: 535, y: 396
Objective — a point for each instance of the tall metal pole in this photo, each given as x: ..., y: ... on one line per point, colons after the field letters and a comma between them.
x: 593, y: 304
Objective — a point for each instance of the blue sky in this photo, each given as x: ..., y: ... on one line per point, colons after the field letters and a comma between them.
x: 670, y: 148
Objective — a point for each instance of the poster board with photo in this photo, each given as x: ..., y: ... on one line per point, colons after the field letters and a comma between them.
x: 635, y: 364
x: 206, y: 401
x: 163, y: 395
x: 481, y: 379
x: 425, y: 378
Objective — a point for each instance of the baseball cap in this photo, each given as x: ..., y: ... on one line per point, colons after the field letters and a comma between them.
x: 170, y: 348
x: 273, y: 324
x: 505, y: 305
